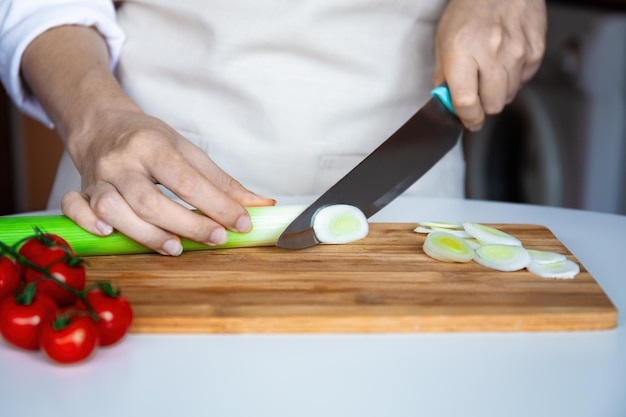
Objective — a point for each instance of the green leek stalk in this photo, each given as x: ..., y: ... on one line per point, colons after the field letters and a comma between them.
x: 268, y: 224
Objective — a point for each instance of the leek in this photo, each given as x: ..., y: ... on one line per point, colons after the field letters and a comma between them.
x: 502, y: 257
x: 492, y: 248
x: 488, y: 234
x: 447, y: 247
x: 268, y: 224
x: 442, y: 225
x: 564, y: 269
x: 545, y: 257
x: 339, y: 224
x: 449, y: 227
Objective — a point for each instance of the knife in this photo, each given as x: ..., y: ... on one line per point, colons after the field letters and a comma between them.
x: 389, y: 170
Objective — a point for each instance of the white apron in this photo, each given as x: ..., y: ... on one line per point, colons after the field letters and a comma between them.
x: 286, y: 96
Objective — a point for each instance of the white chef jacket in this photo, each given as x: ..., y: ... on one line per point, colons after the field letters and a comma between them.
x: 286, y: 96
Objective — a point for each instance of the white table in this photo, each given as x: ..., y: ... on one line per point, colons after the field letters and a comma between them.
x: 469, y: 374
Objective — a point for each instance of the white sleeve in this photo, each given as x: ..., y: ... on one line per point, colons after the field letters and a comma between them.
x: 21, y: 21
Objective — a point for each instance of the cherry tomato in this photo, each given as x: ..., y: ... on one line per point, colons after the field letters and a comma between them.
x: 9, y: 277
x: 20, y: 324
x: 114, y: 311
x: 37, y: 244
x: 54, y: 253
x: 69, y: 339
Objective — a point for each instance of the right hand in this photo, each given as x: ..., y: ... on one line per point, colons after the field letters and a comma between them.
x: 123, y: 158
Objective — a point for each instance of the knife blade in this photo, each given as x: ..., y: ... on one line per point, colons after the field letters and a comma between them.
x: 389, y: 170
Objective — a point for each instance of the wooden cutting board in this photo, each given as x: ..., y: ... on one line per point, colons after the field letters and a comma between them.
x: 383, y: 283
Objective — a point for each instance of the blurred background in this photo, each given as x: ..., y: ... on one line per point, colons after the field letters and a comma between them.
x: 562, y: 142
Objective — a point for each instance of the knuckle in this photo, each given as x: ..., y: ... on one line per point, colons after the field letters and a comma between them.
x: 496, y: 39
x: 465, y: 100
x: 536, y: 54
x: 146, y: 205
x: 232, y: 185
x: 105, y: 204
x: 187, y: 184
x: 518, y: 52
x: 69, y: 197
x: 140, y: 136
x: 494, y: 108
x: 106, y: 166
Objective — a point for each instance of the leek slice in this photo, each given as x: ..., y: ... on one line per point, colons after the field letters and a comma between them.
x: 428, y: 229
x: 564, y: 269
x: 490, y: 235
x: 545, y: 257
x: 442, y: 225
x: 339, y: 224
x: 492, y: 248
x: 446, y: 247
x: 458, y: 233
x: 474, y: 243
x: 502, y: 257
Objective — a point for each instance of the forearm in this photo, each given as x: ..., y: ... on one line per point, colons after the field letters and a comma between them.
x: 67, y: 69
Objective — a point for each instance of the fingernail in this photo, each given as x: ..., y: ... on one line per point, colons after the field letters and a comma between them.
x: 219, y: 236
x: 244, y: 224
x: 476, y: 128
x: 104, y: 228
x: 173, y: 247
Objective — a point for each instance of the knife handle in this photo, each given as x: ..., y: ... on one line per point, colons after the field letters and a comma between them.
x: 443, y: 94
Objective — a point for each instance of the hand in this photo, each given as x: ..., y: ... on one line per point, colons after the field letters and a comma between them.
x: 486, y: 50
x: 122, y: 153
x: 122, y: 158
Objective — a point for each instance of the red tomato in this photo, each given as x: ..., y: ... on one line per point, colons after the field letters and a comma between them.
x: 49, y: 252
x: 40, y: 243
x: 9, y: 276
x: 74, y: 276
x: 72, y: 341
x: 115, y: 315
x: 20, y: 324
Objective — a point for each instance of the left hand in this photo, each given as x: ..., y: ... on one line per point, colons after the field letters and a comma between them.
x: 486, y: 50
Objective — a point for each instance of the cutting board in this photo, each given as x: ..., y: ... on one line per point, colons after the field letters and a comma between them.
x: 383, y: 283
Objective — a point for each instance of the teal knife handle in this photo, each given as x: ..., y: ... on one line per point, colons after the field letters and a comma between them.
x: 443, y: 94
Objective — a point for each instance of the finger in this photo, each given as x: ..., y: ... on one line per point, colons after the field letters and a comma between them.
x: 194, y: 187
x: 533, y: 62
x: 152, y: 206
x: 76, y: 206
x: 209, y: 169
x: 514, y: 61
x: 493, y: 80
x: 109, y: 205
x: 462, y: 78
x: 178, y: 175
x: 535, y: 49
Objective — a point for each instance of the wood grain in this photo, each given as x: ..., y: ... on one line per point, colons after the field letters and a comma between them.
x: 383, y: 283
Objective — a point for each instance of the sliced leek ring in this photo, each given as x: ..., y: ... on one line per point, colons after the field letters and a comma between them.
x: 490, y: 235
x: 458, y: 233
x: 545, y: 257
x: 492, y: 248
x: 339, y: 224
x: 564, y: 269
x: 446, y: 247
x: 502, y: 257
x: 474, y: 243
x: 429, y: 229
x: 442, y: 225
